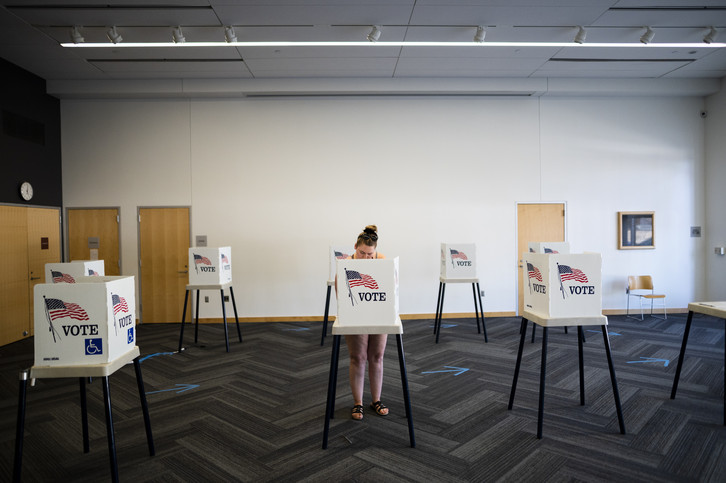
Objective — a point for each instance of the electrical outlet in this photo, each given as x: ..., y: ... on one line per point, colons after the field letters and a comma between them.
x: 206, y: 299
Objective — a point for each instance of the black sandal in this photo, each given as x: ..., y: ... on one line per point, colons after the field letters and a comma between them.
x: 379, y: 407
x: 357, y: 409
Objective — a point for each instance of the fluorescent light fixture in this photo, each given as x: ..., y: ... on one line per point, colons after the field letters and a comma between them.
x: 669, y: 45
x: 114, y: 36
x: 581, y: 35
x: 229, y: 35
x: 76, y: 36
x: 374, y: 34
x: 480, y: 34
x: 177, y: 36
x: 647, y: 37
x: 711, y: 36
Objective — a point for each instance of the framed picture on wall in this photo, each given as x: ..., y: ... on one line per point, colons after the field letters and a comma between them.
x: 636, y: 230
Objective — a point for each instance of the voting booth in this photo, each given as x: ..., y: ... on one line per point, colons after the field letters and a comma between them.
x: 553, y: 248
x: 68, y: 272
x: 368, y: 297
x: 91, y: 321
x: 367, y: 304
x: 210, y: 266
x: 458, y: 260
x: 563, y: 285
x: 458, y: 265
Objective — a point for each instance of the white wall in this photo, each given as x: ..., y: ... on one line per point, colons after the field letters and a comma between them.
x: 281, y: 179
x: 715, y: 229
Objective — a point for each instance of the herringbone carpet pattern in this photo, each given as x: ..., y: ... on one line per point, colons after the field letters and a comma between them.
x: 257, y: 413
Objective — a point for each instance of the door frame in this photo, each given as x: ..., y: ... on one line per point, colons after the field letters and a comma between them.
x: 138, y: 249
x: 516, y: 240
x: 66, y: 253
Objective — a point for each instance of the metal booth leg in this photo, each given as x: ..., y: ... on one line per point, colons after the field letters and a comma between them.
x: 682, y: 354
x: 184, y: 315
x: 476, y: 309
x: 109, y: 429
x: 20, y: 426
x: 406, y: 395
x: 613, y: 379
x: 441, y: 312
x: 236, y: 317
x: 144, y: 406
x: 481, y: 309
x: 523, y: 334
x: 84, y: 414
x: 325, y: 317
x: 438, y: 308
x: 542, y: 373
x: 332, y: 382
x: 196, y: 324
x: 224, y: 319
x: 582, y: 365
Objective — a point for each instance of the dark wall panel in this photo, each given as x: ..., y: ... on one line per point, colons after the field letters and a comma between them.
x: 30, y: 146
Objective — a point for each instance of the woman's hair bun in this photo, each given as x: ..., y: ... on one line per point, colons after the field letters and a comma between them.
x: 371, y: 229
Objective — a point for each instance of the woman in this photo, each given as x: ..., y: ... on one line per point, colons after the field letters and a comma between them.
x: 366, y: 348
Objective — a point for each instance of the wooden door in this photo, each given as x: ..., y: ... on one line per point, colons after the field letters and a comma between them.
x: 14, y: 300
x: 164, y: 241
x: 536, y: 222
x: 43, y: 247
x: 97, y: 224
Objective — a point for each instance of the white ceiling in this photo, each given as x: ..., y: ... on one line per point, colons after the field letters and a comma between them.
x: 31, y: 30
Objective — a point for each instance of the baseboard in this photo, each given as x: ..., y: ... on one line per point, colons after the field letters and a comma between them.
x: 460, y: 315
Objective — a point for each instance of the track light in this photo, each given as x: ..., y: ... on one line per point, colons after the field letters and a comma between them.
x: 480, y: 34
x: 229, y: 35
x: 76, y: 36
x: 114, y: 36
x: 177, y: 36
x: 580, y: 36
x: 647, y: 37
x: 711, y: 35
x: 374, y: 34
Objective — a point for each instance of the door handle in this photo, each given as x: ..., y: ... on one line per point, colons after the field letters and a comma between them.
x: 34, y: 278
x: 183, y: 271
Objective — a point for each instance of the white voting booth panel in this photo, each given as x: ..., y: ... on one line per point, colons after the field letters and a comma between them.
x: 458, y: 260
x: 92, y: 321
x: 368, y: 297
x: 553, y: 248
x: 68, y: 272
x: 563, y: 285
x: 338, y: 252
x: 210, y: 266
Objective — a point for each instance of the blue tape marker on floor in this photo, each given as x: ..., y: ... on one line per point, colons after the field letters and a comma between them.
x: 651, y: 359
x: 181, y: 388
x: 598, y: 332
x: 458, y: 370
x: 445, y: 326
x: 298, y: 329
x: 154, y: 355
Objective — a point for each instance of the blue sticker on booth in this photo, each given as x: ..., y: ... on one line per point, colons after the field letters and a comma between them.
x: 94, y: 347
x: 131, y: 336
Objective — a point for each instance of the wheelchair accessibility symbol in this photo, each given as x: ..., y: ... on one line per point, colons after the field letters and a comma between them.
x: 94, y: 347
x: 130, y: 339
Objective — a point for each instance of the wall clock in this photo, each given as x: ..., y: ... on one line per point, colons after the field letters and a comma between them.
x: 26, y: 191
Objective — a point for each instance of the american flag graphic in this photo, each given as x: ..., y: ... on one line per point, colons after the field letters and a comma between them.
x: 341, y: 255
x: 534, y: 272
x: 57, y: 309
x: 225, y: 260
x: 549, y: 250
x: 569, y: 273
x: 59, y: 277
x: 200, y: 259
x: 356, y: 279
x: 457, y: 254
x: 119, y: 304
x: 92, y: 273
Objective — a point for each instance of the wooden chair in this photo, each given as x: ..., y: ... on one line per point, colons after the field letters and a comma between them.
x: 641, y: 286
